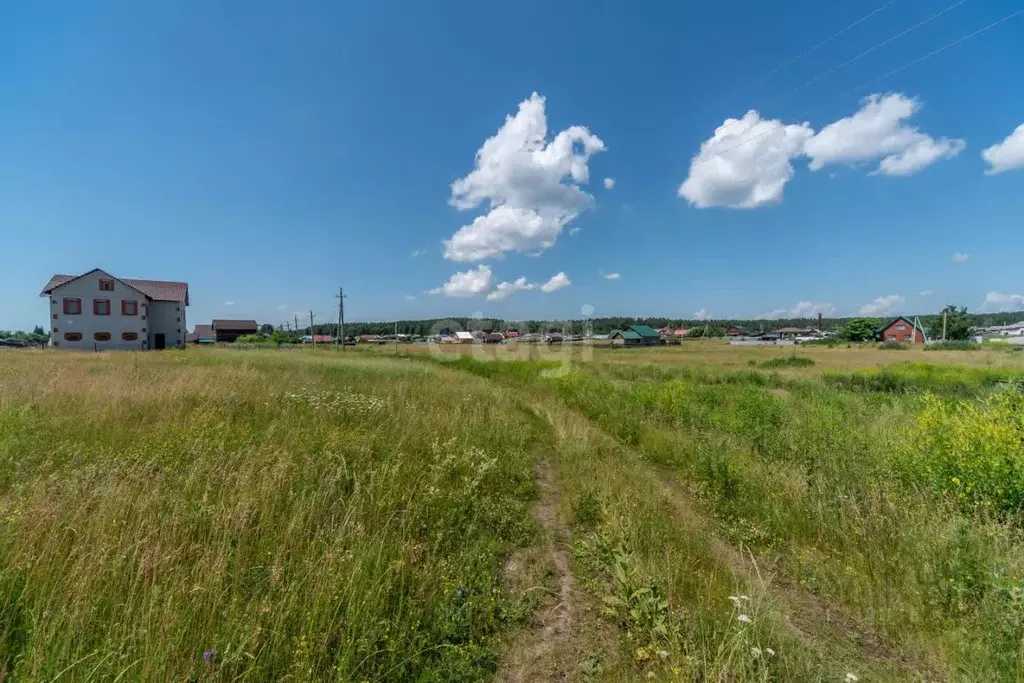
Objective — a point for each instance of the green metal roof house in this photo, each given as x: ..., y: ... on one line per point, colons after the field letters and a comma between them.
x: 635, y: 335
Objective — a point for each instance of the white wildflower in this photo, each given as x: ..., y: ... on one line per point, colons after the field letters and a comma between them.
x: 755, y: 652
x: 771, y: 652
x: 850, y: 678
x: 663, y: 654
x: 743, y: 618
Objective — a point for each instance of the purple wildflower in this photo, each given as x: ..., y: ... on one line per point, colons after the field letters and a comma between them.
x: 209, y: 655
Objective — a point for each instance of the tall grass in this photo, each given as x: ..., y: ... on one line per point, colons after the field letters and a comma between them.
x: 186, y: 516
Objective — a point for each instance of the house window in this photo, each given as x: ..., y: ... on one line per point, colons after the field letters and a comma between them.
x: 106, y: 285
x: 101, y: 306
x: 901, y: 327
x: 129, y: 336
x: 101, y: 336
x: 54, y: 316
x: 129, y: 308
x: 72, y: 307
x: 72, y: 336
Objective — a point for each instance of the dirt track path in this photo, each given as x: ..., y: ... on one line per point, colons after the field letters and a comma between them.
x: 542, y: 653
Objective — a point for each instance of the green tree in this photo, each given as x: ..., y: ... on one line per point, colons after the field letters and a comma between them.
x: 267, y: 329
x: 859, y: 329
x: 958, y: 324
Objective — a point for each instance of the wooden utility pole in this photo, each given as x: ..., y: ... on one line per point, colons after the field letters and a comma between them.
x: 341, y: 318
x: 311, y: 335
x: 296, y: 323
x: 944, y: 326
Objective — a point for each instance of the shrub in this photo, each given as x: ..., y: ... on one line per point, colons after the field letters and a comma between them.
x: 969, y: 450
x: 893, y: 346
x: 961, y: 345
x: 251, y: 339
x: 788, y: 362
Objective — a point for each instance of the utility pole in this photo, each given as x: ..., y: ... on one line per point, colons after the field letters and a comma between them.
x: 396, y: 336
x: 341, y: 318
x: 296, y: 323
x: 311, y: 335
x: 944, y: 326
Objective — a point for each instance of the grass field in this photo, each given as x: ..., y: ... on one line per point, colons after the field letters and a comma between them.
x: 703, y: 512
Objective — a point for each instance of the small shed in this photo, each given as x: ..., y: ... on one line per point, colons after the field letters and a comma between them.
x: 648, y: 335
x: 494, y: 338
x: 464, y: 337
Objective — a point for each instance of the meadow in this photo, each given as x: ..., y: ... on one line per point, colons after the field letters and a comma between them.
x: 702, y: 512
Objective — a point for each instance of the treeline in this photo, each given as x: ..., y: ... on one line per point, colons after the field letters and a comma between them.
x: 423, y: 328
x: 36, y: 336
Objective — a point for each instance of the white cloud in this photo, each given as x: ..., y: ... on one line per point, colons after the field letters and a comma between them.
x: 410, y: 297
x: 519, y: 174
x: 467, y: 283
x: 229, y: 303
x: 960, y: 257
x: 702, y: 315
x: 802, y: 309
x: 879, y: 131
x: 559, y: 281
x: 926, y: 292
x: 609, y: 183
x: 1006, y: 155
x: 612, y: 276
x: 882, y: 305
x: 998, y: 301
x: 507, y: 289
x: 745, y: 164
x: 575, y: 231
x: 417, y: 253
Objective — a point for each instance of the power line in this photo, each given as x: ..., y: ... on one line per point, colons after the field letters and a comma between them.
x: 825, y: 42
x: 863, y: 85
x: 863, y: 54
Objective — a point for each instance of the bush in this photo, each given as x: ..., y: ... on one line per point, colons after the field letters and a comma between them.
x: 251, y: 339
x: 969, y: 450
x: 893, y: 346
x: 953, y: 346
x: 788, y: 362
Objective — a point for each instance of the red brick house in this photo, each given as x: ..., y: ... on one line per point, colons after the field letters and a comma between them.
x: 902, y: 331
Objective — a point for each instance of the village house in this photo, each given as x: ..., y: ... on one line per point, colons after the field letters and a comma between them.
x: 902, y: 331
x: 203, y: 334
x: 97, y: 311
x: 230, y: 330
x: 635, y: 335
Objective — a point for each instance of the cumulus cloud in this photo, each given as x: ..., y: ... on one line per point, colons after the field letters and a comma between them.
x: 507, y: 289
x: 926, y: 292
x: 882, y: 305
x: 612, y: 276
x: 960, y: 257
x: 609, y: 183
x: 879, y: 131
x: 529, y: 184
x: 467, y: 283
x: 575, y: 231
x: 559, y: 281
x: 997, y: 301
x: 229, y: 303
x: 702, y: 315
x: 801, y: 309
x: 745, y: 164
x: 1006, y: 155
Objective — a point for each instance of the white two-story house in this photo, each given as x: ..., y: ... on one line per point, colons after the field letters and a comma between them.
x: 97, y: 311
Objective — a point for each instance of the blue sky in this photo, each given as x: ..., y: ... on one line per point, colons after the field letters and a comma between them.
x: 267, y: 154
